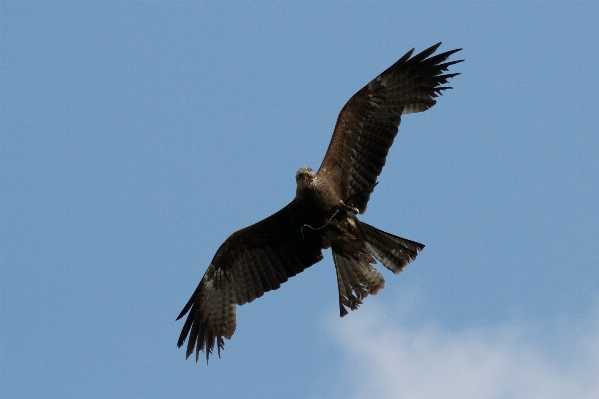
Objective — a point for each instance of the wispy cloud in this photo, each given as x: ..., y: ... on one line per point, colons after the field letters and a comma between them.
x: 383, y: 359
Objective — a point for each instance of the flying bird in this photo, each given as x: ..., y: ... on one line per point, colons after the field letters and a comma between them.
x: 261, y: 257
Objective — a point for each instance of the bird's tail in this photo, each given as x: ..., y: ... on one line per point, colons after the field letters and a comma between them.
x: 357, y: 277
x: 393, y: 252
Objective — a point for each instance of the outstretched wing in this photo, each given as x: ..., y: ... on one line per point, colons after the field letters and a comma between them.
x: 368, y: 123
x: 249, y: 263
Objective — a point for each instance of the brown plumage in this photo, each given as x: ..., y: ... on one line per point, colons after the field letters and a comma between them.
x: 323, y: 213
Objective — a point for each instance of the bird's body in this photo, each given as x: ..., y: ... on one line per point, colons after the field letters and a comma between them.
x: 323, y: 214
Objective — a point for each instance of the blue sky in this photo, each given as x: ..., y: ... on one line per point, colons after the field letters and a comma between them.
x: 137, y: 136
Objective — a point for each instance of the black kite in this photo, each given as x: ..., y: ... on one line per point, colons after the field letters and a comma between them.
x: 261, y: 257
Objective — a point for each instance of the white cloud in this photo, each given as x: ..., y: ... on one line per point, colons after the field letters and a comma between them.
x: 386, y: 360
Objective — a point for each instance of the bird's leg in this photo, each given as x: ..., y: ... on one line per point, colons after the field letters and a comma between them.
x: 350, y: 208
x: 331, y: 220
x: 321, y: 227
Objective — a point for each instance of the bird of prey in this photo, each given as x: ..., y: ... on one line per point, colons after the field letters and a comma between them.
x: 261, y: 257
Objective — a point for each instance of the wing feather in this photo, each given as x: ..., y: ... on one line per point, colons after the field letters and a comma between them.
x: 249, y: 263
x: 368, y: 123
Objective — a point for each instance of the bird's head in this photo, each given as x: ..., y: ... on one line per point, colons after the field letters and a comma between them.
x: 305, y: 178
